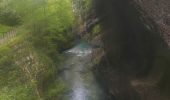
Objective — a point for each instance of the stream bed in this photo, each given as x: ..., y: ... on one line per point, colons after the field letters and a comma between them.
x: 78, y: 74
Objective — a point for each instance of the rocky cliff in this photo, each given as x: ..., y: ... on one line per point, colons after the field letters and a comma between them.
x: 133, y: 57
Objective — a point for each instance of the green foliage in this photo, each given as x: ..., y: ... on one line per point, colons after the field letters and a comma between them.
x: 51, y: 24
x: 21, y: 92
x: 9, y: 17
x: 88, y: 5
x: 12, y: 79
x: 4, y: 29
x: 52, y: 88
x: 46, y: 31
x: 96, y: 30
x: 56, y: 91
x: 6, y: 66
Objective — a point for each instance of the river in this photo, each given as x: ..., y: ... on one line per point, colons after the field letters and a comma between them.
x: 79, y: 76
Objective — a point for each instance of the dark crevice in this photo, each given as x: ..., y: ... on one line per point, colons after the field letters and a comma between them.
x: 131, y: 43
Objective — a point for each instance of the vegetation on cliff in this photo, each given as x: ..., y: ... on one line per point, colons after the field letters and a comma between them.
x: 30, y: 60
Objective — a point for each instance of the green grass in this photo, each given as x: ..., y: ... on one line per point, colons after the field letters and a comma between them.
x: 4, y: 29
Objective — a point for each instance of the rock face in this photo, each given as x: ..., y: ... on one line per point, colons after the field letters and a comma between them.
x: 159, y: 11
x: 135, y: 55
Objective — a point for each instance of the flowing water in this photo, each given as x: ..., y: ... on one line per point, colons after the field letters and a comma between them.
x: 78, y: 74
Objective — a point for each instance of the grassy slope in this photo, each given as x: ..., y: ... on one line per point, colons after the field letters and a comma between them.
x: 12, y: 77
x: 14, y: 82
x: 35, y: 37
x: 4, y: 29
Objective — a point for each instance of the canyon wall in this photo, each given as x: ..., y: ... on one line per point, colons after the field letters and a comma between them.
x: 133, y: 57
